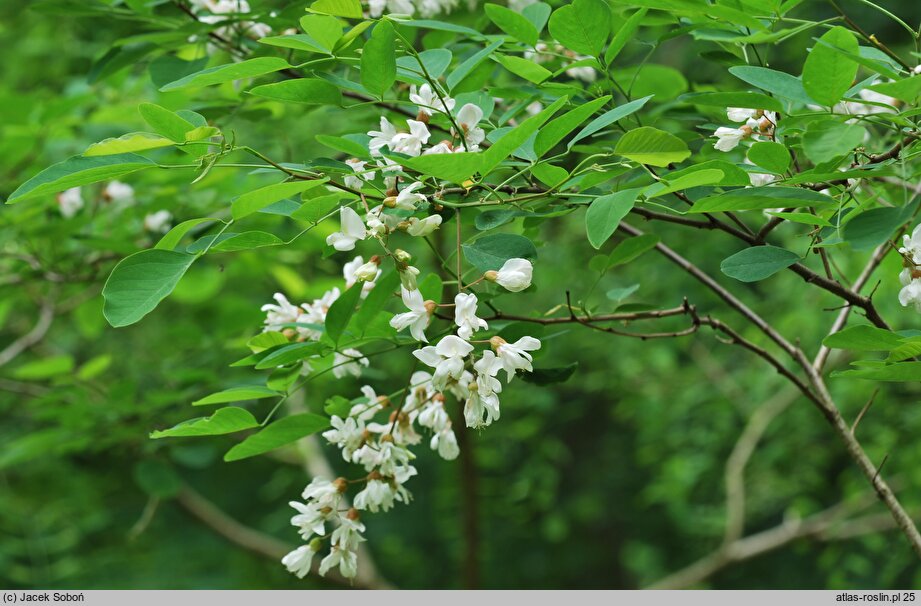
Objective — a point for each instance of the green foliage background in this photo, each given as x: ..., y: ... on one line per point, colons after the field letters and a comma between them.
x: 612, y: 479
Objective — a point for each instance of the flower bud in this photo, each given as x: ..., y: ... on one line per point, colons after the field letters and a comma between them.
x: 430, y: 306
x: 402, y: 256
x: 341, y: 484
x: 368, y: 271
x: 491, y: 275
x: 352, y: 514
x: 316, y: 544
x: 390, y: 201
x: 496, y: 342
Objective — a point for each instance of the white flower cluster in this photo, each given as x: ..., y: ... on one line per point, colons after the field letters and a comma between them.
x: 375, y: 434
x: 757, y: 123
x: 911, y: 275
x: 305, y: 322
x: 219, y: 11
x: 120, y: 196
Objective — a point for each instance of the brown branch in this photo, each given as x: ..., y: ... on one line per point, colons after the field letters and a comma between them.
x: 38, y: 332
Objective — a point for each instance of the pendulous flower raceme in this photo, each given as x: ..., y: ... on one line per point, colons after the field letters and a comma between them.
x: 377, y: 433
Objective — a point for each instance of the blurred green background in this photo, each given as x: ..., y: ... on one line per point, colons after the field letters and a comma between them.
x: 613, y: 479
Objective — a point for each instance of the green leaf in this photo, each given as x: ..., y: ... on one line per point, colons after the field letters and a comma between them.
x: 863, y: 337
x: 910, y: 348
x: 457, y: 168
x: 341, y: 311
x: 281, y: 432
x: 44, y: 368
x: 165, y: 122
x: 555, y: 130
x: 608, y: 118
x: 344, y: 145
x: 289, y: 354
x: 549, y: 376
x: 313, y: 210
x: 805, y: 218
x: 605, y: 213
x: 231, y: 71
x: 512, y: 23
x: 906, y: 90
x: 648, y: 145
x: 772, y: 81
x: 760, y: 198
x: 530, y: 71
x: 132, y: 142
x: 470, y: 64
x: 630, y: 249
x: 873, y: 227
x: 582, y: 26
x: 492, y: 251
x: 696, y: 178
x: 513, y: 139
x: 903, y: 371
x: 140, y: 281
x: 77, y: 171
x: 826, y: 140
x: 253, y: 201
x: 224, y: 421
x: 757, y: 263
x: 350, y: 9
x: 323, y: 30
x: 237, y: 394
x: 242, y: 241
x: 175, y: 235
x: 299, y: 42
x: 827, y: 73
x: 378, y: 60
x: 309, y: 91
x: 624, y: 34
x: 741, y: 99
x: 378, y: 298
x: 773, y: 157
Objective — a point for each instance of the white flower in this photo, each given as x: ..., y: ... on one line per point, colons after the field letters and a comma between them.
x: 346, y: 560
x: 911, y: 293
x: 408, y: 278
x: 70, y: 201
x: 377, y: 495
x: 460, y: 389
x: 324, y: 492
x: 348, y: 273
x: 299, y: 560
x: 465, y: 316
x: 434, y: 416
x: 120, y: 193
x: 447, y: 358
x: 514, y: 275
x: 366, y: 411
x: 728, y: 138
x: 445, y: 443
x: 740, y: 114
x: 417, y: 318
x: 382, y: 138
x: 760, y: 179
x: 348, y: 362
x: 283, y: 312
x: 482, y: 399
x: 352, y: 229
x: 534, y: 108
x: 874, y: 97
x: 515, y: 356
x: 423, y: 227
x: 468, y: 119
x: 310, y: 518
x: 347, y: 434
x: 368, y: 272
x: 428, y: 100
x: 407, y: 199
x: 397, y: 7
x: 911, y: 245
x: 487, y: 367
x: 586, y: 73
x: 420, y: 391
x: 381, y: 223
x: 442, y: 147
x: 411, y: 143
x: 357, y: 181
x: 158, y: 222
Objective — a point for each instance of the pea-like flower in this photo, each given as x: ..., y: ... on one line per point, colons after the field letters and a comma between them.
x: 428, y: 101
x: 465, y: 317
x: 417, y: 318
x: 423, y: 227
x: 515, y: 356
x: 411, y: 143
x: 514, y: 275
x: 447, y: 358
x: 351, y: 230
